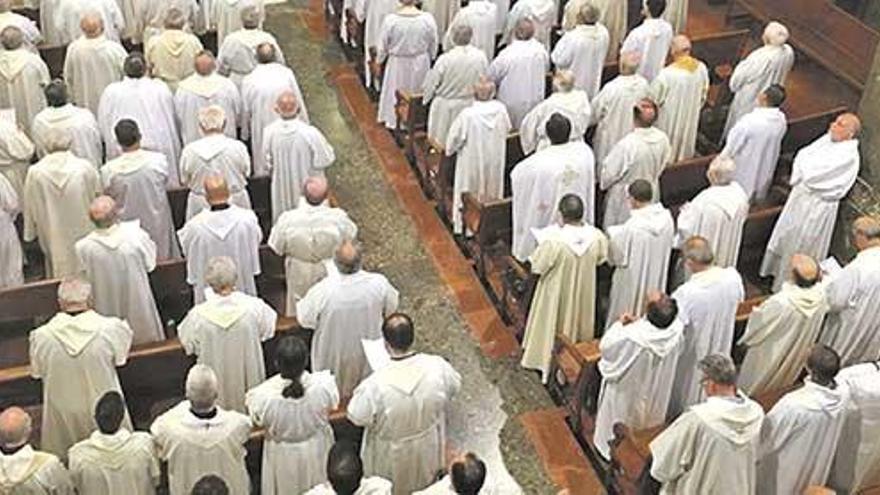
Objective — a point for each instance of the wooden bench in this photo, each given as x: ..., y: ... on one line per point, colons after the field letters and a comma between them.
x: 682, y: 181
x: 491, y: 226
x: 412, y: 121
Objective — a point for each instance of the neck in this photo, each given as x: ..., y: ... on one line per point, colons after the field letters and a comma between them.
x: 824, y: 383
x: 699, y: 268
x: 724, y: 392
x: 871, y: 244
x: 577, y: 223
x: 219, y: 206
x: 132, y: 148
x: 11, y: 449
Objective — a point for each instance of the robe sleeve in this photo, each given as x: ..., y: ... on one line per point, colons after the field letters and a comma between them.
x: 189, y: 333
x: 389, y: 305
x: 688, y: 219
x: 456, y: 137
x: 326, y: 383
x: 148, y: 250
x: 528, y: 129
x: 618, y: 353
x: 277, y: 240
x: 32, y: 201
x: 779, y: 425
x: 121, y: 341
x: 497, y: 69
x: 674, y: 450
x: 614, y: 166
x: 19, y: 146
x: 242, y: 431
x: 762, y: 321
x: 268, y: 317
x: 743, y: 73
x: 433, y: 79
x: 562, y: 53
x: 8, y: 198
x: 308, y: 309
x: 364, y: 405
x: 600, y: 248
x: 322, y: 152
x: 842, y: 289
x: 619, y: 246
x: 544, y: 258
x: 255, y: 401
x: 36, y: 357
x: 660, y: 90
x: 61, y: 483
x: 452, y: 379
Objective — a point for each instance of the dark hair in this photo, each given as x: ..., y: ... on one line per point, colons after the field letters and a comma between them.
x: 56, y: 93
x: 292, y: 357
x: 398, y: 331
x: 127, y: 133
x: 210, y: 484
x: 643, y: 119
x: 468, y: 475
x: 802, y: 281
x: 775, y: 94
x: 135, y: 66
x: 571, y: 208
x: 109, y: 412
x: 641, y: 191
x: 823, y: 363
x: 344, y: 468
x: 662, y: 312
x: 558, y: 129
x: 656, y: 7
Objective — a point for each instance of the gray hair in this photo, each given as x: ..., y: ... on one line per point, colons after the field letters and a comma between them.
x: 629, y: 63
x: 588, y: 14
x: 11, y: 38
x: 201, y: 386
x: 16, y: 426
x: 868, y: 227
x: 462, y: 34
x: 721, y: 170
x: 174, y: 19
x: 56, y: 139
x: 719, y: 369
x: 74, y: 291
x: 221, y: 273
x: 212, y: 118
x: 697, y: 249
x: 563, y: 81
x: 5, y: 5
x: 250, y: 17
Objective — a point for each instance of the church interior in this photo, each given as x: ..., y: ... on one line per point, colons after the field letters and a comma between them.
x: 467, y: 294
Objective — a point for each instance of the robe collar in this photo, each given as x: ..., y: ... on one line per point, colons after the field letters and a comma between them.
x: 708, y: 276
x: 210, y: 146
x: 74, y: 333
x: 815, y: 397
x: 204, y: 86
x: 223, y: 311
x: 686, y: 63
x: 56, y: 169
x: 219, y: 222
x: 659, y: 341
x: 652, y: 218
x: 408, y: 11
x: 115, y: 235
x: 20, y: 466
x: 589, y: 31
x: 805, y: 300
x: 13, y: 61
x: 128, y: 162
x: 730, y: 198
x: 578, y: 238
x: 110, y: 441
x: 403, y: 375
x: 737, y: 419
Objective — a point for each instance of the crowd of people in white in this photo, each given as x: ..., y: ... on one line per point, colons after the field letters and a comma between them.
x: 121, y: 129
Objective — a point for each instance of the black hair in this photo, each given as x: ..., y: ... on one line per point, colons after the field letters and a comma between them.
x: 292, y: 357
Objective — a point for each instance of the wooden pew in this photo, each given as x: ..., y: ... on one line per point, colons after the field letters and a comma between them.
x: 756, y: 233
x: 491, y: 225
x: 412, y: 121
x: 575, y: 380
x: 682, y: 181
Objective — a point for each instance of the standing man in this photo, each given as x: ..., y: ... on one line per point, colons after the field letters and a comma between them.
x: 519, y: 72
x: 69, y: 14
x: 63, y: 116
x: 372, y: 14
x: 612, y: 107
x: 481, y: 17
x: 583, y: 50
x: 22, y: 467
x: 92, y: 63
x: 11, y: 259
x: 651, y: 39
x: 237, y: 56
x: 858, y: 451
x: 542, y: 13
x: 205, y: 88
x: 16, y: 151
x: 569, y: 102
x: 23, y: 75
x: 172, y: 52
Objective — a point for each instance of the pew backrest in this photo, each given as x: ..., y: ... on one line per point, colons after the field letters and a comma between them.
x: 682, y: 181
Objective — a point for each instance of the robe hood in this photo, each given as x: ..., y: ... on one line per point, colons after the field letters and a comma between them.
x: 806, y: 301
x: 12, y: 62
x: 223, y: 311
x: 220, y: 223
x: 112, y: 237
x: 729, y: 198
x: 175, y: 41
x: 204, y: 86
x: 574, y: 103
x: 20, y: 466
x: 578, y: 238
x: 650, y: 135
x: 74, y: 333
x: 736, y: 419
x: 55, y: 168
x: 486, y: 113
x: 209, y: 147
x: 659, y: 341
x: 110, y: 449
x: 58, y: 115
x: 815, y: 397
x: 127, y: 163
x: 654, y: 219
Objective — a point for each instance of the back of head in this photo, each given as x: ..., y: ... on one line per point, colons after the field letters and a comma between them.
x: 201, y: 387
x: 524, y: 29
x: 774, y: 95
x: 775, y: 34
x: 804, y: 271
x: 174, y: 19
x: 11, y: 38
x: 681, y: 46
x: 286, y: 105
x: 655, y: 7
x: 344, y: 468
x: 641, y: 191
x: 398, y: 331
x: 250, y: 17
x: 56, y: 93
x: 468, y: 474
x: 348, y: 257
x: 645, y: 113
x: 212, y: 119
x: 134, y: 66
x: 56, y: 139
x: 221, y: 274
x: 823, y: 364
x: 216, y: 190
x: 205, y: 64
x: 74, y: 295
x: 103, y: 212
x: 210, y: 484
x: 698, y: 251
x: 662, y: 311
x: 292, y: 357
x: 15, y: 427
x: 719, y: 369
x: 109, y: 412
x: 721, y: 171
x: 571, y: 209
x: 316, y: 190
x: 265, y: 53
x: 588, y: 14
x: 629, y: 62
x: 127, y: 133
x: 91, y: 24
x: 558, y: 129
x: 462, y: 34
x: 563, y: 81
x: 484, y: 90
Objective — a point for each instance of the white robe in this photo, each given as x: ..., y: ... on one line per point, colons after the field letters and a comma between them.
x: 718, y: 214
x: 519, y: 71
x: 298, y: 432
x: 11, y: 265
x: 641, y: 154
x: 707, y: 305
x: 583, y: 51
x: 343, y: 309
x: 136, y: 180
x: 171, y: 54
x: 478, y: 136
x: 443, y: 11
x: 481, y: 16
x: 638, y: 367
x: 259, y: 92
x: 651, y: 39
x: 32, y: 36
x: 16, y: 151
x: 614, y: 17
x: 799, y: 439
x: 612, y: 112
x: 29, y: 472
x: 822, y: 174
x: 122, y: 462
x: 403, y: 409
x: 227, y: 334
x: 754, y: 144
x: 225, y: 15
x: 146, y: 18
x: 233, y: 232
x: 407, y: 43
x: 307, y: 238
x: 676, y: 14
x: 372, y: 13
x: 150, y: 104
x: 237, y: 56
x: 215, y: 154
x: 373, y: 485
x: 23, y: 75
x: 763, y: 67
x: 79, y: 123
x: 197, y: 92
x: 76, y: 358
x: 853, y: 327
x: 779, y: 336
x: 68, y: 14
x: 680, y: 89
x: 449, y: 87
x: 712, y: 448
x: 117, y: 262
x: 542, y: 13
x: 857, y: 463
x: 90, y: 66
x: 195, y: 447
x: 639, y: 251
x: 57, y: 193
x: 540, y: 181
x: 293, y: 151
x: 573, y: 105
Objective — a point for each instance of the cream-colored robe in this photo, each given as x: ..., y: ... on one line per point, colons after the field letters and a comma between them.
x: 32, y: 36
x: 372, y: 14
x: 857, y: 463
x: 90, y: 66
x: 23, y: 75
x: 754, y: 144
x: 614, y: 16
x: 124, y: 462
x: 612, y: 112
x: 779, y: 336
x: 763, y: 67
x: 237, y: 56
x: 79, y: 123
x: 481, y: 16
x: 573, y: 105
x: 68, y: 13
x: 542, y: 13
x: 57, y: 193
x: 16, y: 151
x: 583, y: 50
x: 565, y: 298
x: 680, y: 89
x: 520, y: 71
x: 149, y: 18
x: 11, y: 265
x: 29, y: 472
x: 853, y: 326
x: 225, y: 15
x: 171, y: 55
x: 651, y: 39
x: 717, y: 214
x: 373, y: 485
x: 197, y: 92
x: 215, y: 154
x: 449, y: 87
x: 676, y: 13
x: 76, y: 358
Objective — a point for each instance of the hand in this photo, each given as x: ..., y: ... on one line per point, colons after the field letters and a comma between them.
x: 626, y: 318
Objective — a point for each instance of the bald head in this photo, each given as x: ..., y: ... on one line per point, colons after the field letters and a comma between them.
x: 697, y: 254
x: 265, y: 53
x: 348, y: 258
x: 15, y: 427
x: 250, y: 17
x: 11, y: 38
x: 204, y: 63
x: 102, y: 211
x: 680, y: 47
x: 524, y: 30
x: 563, y: 81
x: 74, y: 295
x: 315, y: 190
x: 201, y: 387
x: 212, y: 119
x: 286, y: 105
x: 775, y: 34
x: 721, y: 170
x: 629, y: 63
x: 845, y: 127
x: 92, y: 25
x: 216, y: 190
x: 804, y: 271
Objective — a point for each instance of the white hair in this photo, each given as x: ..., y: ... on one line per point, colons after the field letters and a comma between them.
x: 212, y: 118
x: 221, y: 273
x: 56, y: 139
x: 776, y: 33
x: 74, y: 291
x: 721, y: 170
x: 563, y: 81
x: 201, y: 385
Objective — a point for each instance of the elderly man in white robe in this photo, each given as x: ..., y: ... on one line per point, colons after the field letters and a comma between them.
x: 144, y: 19
x: 372, y: 14
x: 857, y: 463
x: 717, y: 214
x: 467, y: 474
x: 136, y: 181
x: 23, y: 75
x: 583, y: 50
x: 16, y: 151
x: 200, y: 90
x: 197, y: 437
x: 27, y: 470
x: 542, y: 13
x: 639, y: 250
x: 566, y: 100
x: 449, y: 84
x: 612, y: 107
x: 344, y: 309
x: 853, y: 328
x: 307, y: 237
x: 225, y: 15
x: 566, y: 258
x: 92, y: 63
x: 222, y: 230
x: 345, y: 474
x: 214, y: 154
x: 782, y: 329
x: 642, y: 154
x: 67, y: 117
x: 541, y: 180
x: 480, y: 16
x: 117, y: 258
x: 713, y: 447
x: 822, y: 174
x: 31, y: 33
x: 114, y: 459
x: 259, y: 94
x: 707, y: 304
x: 407, y: 42
x: 293, y: 151
x: 294, y: 407
x: 754, y: 143
x: 402, y: 407
x: 171, y: 53
x: 226, y: 333
x: 57, y: 193
x: 639, y: 357
x: 613, y: 15
x: 76, y: 354
x: 237, y: 56
x: 478, y: 138
x: 769, y: 64
x: 680, y: 90
x: 519, y: 72
x: 69, y: 13
x: 148, y: 102
x: 651, y: 39
x: 11, y: 259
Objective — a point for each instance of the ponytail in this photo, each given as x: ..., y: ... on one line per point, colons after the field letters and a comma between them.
x: 292, y: 356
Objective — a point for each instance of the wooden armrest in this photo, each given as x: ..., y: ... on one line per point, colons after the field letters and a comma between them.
x: 15, y: 373
x: 519, y: 269
x: 435, y: 145
x: 745, y: 308
x: 286, y: 324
